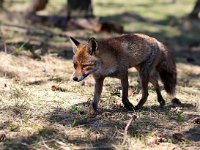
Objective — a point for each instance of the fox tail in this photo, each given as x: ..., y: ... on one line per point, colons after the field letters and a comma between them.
x: 167, y: 72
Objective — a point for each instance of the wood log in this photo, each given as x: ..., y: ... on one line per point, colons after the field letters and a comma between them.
x: 96, y: 25
x: 195, y: 12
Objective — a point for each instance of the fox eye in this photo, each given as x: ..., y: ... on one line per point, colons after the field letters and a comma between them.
x: 85, y: 66
x: 75, y: 66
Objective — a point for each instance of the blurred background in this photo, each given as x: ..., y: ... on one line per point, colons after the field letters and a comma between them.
x: 46, y: 23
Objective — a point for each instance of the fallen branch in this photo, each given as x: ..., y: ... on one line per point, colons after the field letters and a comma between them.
x: 96, y: 25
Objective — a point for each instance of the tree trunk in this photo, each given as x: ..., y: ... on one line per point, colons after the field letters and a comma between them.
x: 1, y: 4
x: 195, y: 12
x: 79, y: 8
x: 37, y: 5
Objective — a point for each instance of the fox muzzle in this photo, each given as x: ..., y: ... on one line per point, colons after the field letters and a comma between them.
x: 80, y: 78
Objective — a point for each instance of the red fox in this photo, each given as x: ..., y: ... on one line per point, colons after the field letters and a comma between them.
x: 113, y: 57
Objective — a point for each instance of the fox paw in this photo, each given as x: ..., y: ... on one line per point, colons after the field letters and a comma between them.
x: 137, y: 107
x: 129, y: 106
x: 91, y: 113
x: 176, y: 101
x: 162, y: 104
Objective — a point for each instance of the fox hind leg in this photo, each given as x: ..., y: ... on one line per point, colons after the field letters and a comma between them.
x: 144, y: 78
x: 125, y: 85
x: 154, y: 82
x: 168, y: 75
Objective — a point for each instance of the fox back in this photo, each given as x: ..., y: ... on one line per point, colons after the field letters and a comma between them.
x: 111, y: 56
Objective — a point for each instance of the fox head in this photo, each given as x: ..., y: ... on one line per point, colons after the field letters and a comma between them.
x: 84, y: 59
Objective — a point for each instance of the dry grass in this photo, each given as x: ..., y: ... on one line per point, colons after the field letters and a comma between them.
x: 41, y: 108
x: 34, y: 116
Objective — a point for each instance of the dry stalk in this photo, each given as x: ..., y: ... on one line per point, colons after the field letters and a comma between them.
x: 126, y: 128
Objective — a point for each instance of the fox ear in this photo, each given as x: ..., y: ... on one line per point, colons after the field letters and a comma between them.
x: 74, y: 43
x: 92, y: 44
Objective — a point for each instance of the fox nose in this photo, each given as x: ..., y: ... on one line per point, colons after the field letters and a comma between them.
x: 75, y: 78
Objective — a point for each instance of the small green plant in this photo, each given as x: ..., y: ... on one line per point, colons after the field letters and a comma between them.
x: 46, y: 132
x: 36, y: 127
x: 88, y: 133
x: 179, y: 117
x: 150, y: 133
x: 185, y: 143
x: 14, y: 127
x: 76, y: 110
x: 74, y: 123
x: 20, y: 48
x: 16, y: 92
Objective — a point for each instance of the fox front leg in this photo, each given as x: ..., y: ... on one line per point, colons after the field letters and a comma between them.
x: 97, y: 92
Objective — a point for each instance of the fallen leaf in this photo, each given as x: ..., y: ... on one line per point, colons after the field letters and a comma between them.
x: 2, y: 136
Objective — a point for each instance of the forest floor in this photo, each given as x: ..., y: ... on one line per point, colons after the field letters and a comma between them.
x: 42, y: 108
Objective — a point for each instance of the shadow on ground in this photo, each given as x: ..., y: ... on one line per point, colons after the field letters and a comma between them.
x: 72, y: 126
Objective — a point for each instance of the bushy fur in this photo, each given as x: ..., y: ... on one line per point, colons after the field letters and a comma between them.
x: 113, y: 57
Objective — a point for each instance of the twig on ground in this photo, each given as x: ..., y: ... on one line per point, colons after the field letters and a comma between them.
x: 126, y: 128
x: 63, y: 145
x: 45, y: 145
